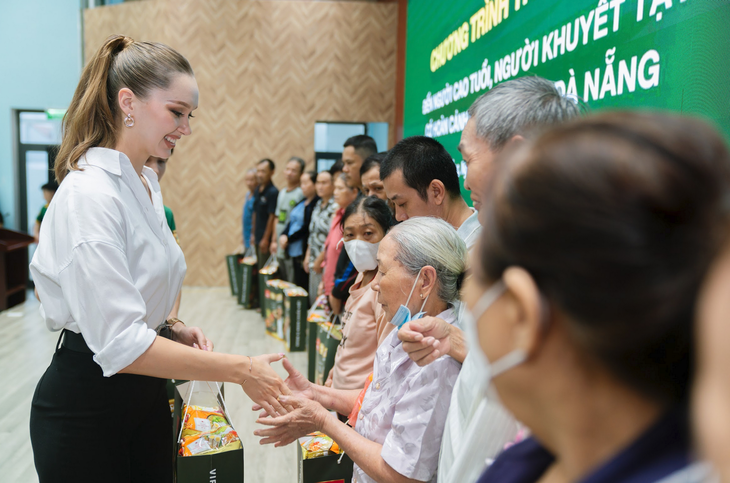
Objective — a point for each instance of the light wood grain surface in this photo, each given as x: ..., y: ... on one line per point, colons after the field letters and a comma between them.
x: 267, y: 71
x: 27, y: 347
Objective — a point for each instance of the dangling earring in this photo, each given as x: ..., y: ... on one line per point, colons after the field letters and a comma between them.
x: 129, y: 120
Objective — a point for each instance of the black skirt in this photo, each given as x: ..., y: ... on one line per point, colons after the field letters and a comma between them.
x: 85, y: 427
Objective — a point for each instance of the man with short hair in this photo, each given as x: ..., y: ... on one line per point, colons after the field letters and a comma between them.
x: 370, y: 176
x: 264, y: 210
x: 477, y: 428
x: 357, y: 149
x: 420, y: 179
x: 288, y: 198
x: 504, y: 116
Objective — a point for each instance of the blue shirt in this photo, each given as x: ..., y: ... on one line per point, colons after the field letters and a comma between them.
x: 663, y: 449
x: 247, y: 219
x: 296, y: 223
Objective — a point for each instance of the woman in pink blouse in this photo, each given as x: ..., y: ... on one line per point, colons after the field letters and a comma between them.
x: 365, y: 223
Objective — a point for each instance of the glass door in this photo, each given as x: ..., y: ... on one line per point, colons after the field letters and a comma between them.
x: 37, y: 140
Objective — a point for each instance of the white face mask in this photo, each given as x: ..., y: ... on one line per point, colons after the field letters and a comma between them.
x: 488, y: 370
x: 363, y: 255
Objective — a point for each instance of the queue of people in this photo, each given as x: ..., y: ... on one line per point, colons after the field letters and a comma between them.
x: 562, y: 375
x: 569, y: 327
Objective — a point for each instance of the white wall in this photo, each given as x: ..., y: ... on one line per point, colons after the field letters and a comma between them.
x: 40, y: 65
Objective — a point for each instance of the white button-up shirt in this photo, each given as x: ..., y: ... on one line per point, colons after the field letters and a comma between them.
x: 107, y: 265
x: 405, y: 408
x: 470, y: 230
x: 477, y: 428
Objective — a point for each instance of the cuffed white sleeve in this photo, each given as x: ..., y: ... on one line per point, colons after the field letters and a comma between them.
x: 106, y: 305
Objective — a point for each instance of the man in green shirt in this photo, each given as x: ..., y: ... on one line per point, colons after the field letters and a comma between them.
x: 171, y: 222
x: 288, y: 198
x: 49, y: 189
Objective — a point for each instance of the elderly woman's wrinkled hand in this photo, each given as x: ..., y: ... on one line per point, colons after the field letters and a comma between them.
x: 426, y: 339
x: 307, y: 416
x: 264, y: 386
x: 296, y: 382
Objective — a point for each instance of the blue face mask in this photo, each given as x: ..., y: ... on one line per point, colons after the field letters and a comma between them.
x: 403, y: 314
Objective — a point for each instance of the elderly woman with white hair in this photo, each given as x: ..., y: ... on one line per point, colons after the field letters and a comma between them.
x: 398, y: 423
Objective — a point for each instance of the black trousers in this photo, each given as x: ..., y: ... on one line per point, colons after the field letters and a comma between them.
x: 85, y: 427
x: 301, y: 278
x: 262, y: 257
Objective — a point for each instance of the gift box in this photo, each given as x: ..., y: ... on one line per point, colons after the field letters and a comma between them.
x: 222, y: 467
x: 296, y: 301
x: 266, y: 273
x: 319, y: 312
x: 234, y: 274
x: 274, y: 308
x: 330, y: 467
x: 248, y: 295
x: 329, y: 336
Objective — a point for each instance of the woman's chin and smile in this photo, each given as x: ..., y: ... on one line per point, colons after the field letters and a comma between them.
x: 170, y: 141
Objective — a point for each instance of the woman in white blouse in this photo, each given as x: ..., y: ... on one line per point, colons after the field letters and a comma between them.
x: 108, y: 271
x: 399, y: 423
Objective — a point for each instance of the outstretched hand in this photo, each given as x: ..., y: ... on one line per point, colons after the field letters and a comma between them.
x: 426, y: 339
x: 264, y: 386
x: 306, y: 416
x: 296, y: 382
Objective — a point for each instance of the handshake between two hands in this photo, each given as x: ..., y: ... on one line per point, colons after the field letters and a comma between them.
x: 291, y: 408
x: 288, y: 407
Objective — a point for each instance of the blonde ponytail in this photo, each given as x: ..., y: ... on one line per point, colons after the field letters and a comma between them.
x: 89, y: 121
x: 93, y: 118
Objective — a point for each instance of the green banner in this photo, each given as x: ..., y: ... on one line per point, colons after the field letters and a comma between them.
x: 660, y: 54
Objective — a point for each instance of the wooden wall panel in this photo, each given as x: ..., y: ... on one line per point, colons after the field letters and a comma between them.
x: 266, y: 72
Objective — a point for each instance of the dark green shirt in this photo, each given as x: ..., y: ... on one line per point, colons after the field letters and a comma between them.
x: 42, y: 214
x: 171, y: 223
x: 170, y: 219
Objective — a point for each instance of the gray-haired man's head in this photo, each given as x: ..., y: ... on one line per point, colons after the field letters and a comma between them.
x: 508, y: 113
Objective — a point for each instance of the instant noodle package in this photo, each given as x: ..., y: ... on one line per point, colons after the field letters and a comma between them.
x: 317, y: 445
x: 206, y: 430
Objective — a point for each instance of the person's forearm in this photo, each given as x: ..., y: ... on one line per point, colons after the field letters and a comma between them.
x: 169, y: 360
x: 339, y: 400
x: 365, y: 453
x: 459, y: 348
x: 335, y: 304
x: 317, y: 265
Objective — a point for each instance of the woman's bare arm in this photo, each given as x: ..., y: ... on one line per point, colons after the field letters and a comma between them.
x: 170, y: 360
